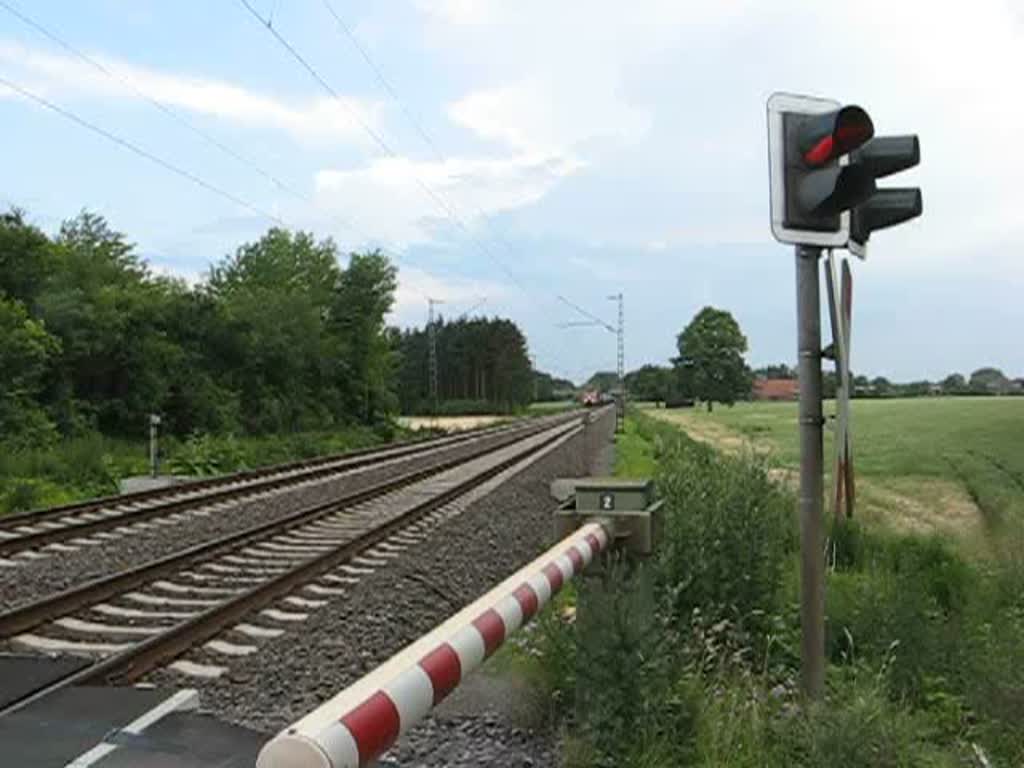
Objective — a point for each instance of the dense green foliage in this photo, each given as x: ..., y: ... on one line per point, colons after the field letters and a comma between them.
x: 692, y: 658
x: 710, y: 366
x: 281, y: 352
x: 280, y: 338
x: 653, y: 383
x: 483, y: 367
x: 550, y: 388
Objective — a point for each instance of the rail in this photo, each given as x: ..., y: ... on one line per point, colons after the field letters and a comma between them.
x: 130, y: 664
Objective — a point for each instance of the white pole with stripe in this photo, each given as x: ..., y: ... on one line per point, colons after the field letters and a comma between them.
x: 359, y: 724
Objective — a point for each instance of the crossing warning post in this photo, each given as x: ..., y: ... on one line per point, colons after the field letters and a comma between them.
x: 823, y: 160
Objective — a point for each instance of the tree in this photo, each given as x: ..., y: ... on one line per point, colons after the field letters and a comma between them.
x: 649, y: 382
x: 988, y: 381
x: 954, y: 383
x: 280, y: 337
x: 603, y: 381
x: 483, y: 365
x: 26, y: 350
x: 551, y: 388
x: 277, y: 295
x: 26, y: 259
x: 364, y: 297
x: 882, y: 386
x: 710, y: 363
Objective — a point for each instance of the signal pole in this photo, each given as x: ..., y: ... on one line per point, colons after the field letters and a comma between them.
x: 812, y: 556
x: 818, y: 200
x: 432, y: 354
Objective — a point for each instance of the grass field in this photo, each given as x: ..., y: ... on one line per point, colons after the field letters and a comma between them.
x: 950, y: 464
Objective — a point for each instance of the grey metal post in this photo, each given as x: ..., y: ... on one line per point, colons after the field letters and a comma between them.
x: 812, y: 556
x: 432, y: 352
x: 154, y: 451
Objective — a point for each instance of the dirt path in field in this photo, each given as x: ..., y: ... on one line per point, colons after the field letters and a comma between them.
x: 710, y: 432
x: 905, y: 504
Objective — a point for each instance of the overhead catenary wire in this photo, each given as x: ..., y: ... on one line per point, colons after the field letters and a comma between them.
x: 175, y: 168
x: 181, y: 120
x: 594, y: 319
x: 170, y: 112
x: 163, y: 107
x: 137, y: 150
x: 428, y: 140
x: 418, y: 127
x: 449, y: 210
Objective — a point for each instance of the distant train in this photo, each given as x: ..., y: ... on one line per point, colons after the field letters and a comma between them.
x: 591, y: 398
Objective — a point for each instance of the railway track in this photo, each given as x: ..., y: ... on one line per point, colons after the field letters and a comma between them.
x: 218, y: 600
x: 31, y: 535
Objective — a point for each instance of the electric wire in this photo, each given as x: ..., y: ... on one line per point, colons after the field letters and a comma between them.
x: 137, y: 150
x: 429, y: 141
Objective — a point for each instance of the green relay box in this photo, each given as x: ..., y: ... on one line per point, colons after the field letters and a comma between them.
x: 627, y: 504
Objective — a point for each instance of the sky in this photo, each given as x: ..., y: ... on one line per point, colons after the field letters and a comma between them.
x: 506, y: 154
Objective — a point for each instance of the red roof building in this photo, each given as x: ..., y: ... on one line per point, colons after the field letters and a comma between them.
x: 776, y: 389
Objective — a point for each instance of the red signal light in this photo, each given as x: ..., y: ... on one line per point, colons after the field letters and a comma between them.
x: 846, y: 130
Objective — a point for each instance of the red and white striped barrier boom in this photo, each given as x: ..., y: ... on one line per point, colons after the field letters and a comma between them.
x: 363, y: 721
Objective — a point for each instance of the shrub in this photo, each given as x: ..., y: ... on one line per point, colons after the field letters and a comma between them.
x: 22, y: 496
x: 630, y: 708
x: 728, y: 533
x: 904, y: 606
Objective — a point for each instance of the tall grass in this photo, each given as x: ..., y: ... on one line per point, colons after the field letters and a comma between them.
x: 693, y: 659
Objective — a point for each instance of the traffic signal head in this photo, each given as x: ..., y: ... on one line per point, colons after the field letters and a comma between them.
x: 887, y: 207
x: 823, y: 162
x: 811, y: 191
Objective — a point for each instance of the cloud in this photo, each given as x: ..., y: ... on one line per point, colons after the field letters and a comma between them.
x: 533, y: 116
x: 666, y: 102
x: 70, y: 76
x: 406, y: 200
x: 457, y: 294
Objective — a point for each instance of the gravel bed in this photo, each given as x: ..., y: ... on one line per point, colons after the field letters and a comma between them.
x: 36, y: 578
x: 339, y: 643
x: 471, y: 741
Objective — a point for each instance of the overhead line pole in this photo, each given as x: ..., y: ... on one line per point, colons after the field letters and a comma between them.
x: 620, y: 399
x: 432, y: 352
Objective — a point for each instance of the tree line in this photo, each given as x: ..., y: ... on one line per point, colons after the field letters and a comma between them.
x: 277, y: 337
x: 983, y: 381
x: 711, y: 368
x: 483, y: 365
